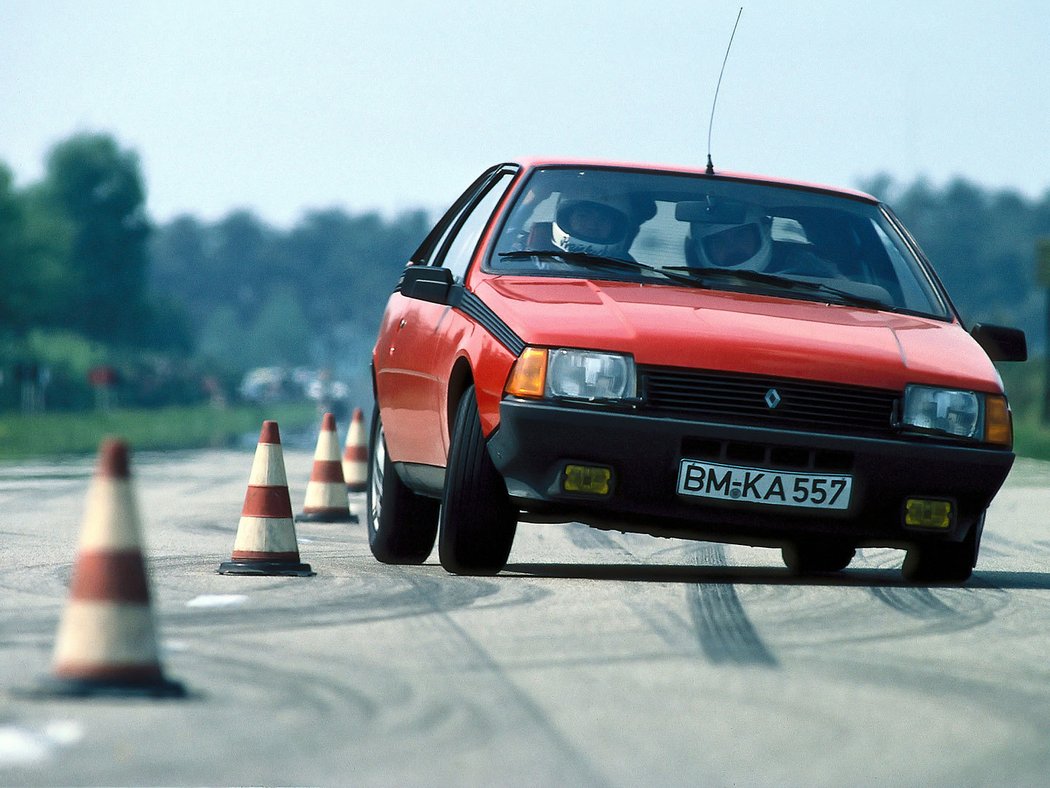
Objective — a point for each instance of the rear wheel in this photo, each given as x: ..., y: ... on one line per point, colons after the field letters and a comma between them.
x: 944, y: 562
x: 402, y: 526
x: 805, y: 558
x: 478, y: 520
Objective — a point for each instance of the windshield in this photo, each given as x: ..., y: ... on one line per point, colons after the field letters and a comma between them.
x: 669, y: 229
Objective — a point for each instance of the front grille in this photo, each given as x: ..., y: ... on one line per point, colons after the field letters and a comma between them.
x: 745, y: 399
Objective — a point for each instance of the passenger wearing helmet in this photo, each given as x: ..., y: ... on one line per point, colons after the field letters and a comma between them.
x: 744, y: 245
x: 760, y: 243
x: 793, y: 252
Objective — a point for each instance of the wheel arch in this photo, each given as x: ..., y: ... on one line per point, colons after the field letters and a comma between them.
x: 460, y: 379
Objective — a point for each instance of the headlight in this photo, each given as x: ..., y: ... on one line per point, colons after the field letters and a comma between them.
x: 563, y: 373
x: 963, y: 414
x: 943, y: 410
x: 585, y: 374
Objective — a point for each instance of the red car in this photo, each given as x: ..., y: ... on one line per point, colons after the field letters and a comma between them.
x: 682, y: 353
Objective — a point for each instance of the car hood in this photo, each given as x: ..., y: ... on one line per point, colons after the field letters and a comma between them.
x: 737, y: 332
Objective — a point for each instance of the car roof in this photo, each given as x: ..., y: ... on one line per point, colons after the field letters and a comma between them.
x: 537, y: 162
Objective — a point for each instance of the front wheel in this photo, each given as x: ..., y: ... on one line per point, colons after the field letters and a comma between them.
x: 402, y: 526
x: 944, y: 562
x: 804, y: 558
x: 478, y: 520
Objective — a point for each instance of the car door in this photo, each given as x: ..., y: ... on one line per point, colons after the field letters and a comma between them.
x: 413, y: 381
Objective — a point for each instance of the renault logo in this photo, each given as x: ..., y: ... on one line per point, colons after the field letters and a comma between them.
x: 772, y: 398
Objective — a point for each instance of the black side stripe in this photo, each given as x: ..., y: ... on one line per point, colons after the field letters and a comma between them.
x: 476, y: 309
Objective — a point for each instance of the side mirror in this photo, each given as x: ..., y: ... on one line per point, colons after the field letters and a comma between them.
x: 427, y: 283
x: 1001, y: 343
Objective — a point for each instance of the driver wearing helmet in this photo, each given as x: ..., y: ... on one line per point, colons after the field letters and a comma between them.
x: 602, y: 226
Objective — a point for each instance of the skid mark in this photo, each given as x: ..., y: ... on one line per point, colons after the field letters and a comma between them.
x: 943, y: 609
x: 726, y: 633
x: 913, y: 602
x: 585, y: 773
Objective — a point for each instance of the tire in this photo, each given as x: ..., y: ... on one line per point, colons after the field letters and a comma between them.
x: 805, y: 558
x: 478, y: 520
x: 944, y: 562
x: 402, y: 526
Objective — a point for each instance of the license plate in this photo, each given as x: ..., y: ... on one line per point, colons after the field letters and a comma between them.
x: 761, y: 485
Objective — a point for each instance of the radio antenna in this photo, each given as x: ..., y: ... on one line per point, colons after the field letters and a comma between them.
x: 711, y: 123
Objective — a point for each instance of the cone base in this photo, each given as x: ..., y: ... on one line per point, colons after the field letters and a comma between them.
x: 328, y: 516
x: 58, y: 687
x: 290, y: 568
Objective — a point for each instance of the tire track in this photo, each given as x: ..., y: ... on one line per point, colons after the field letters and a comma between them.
x: 944, y: 610
x: 914, y: 602
x: 585, y: 772
x: 726, y: 633
x: 722, y: 627
x: 240, y: 670
x: 669, y: 625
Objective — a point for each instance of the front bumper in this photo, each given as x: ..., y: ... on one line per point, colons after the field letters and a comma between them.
x: 536, y: 440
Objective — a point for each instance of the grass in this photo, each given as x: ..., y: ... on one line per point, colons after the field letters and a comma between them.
x: 50, y: 434
x: 1025, y: 385
x: 1032, y: 438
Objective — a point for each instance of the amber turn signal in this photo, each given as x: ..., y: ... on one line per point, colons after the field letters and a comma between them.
x: 528, y: 377
x: 998, y: 425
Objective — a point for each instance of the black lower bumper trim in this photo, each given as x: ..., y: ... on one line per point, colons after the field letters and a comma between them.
x: 535, y: 441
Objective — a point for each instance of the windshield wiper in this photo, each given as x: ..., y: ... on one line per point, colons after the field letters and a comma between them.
x: 783, y: 282
x: 597, y: 261
x: 583, y: 258
x: 848, y: 298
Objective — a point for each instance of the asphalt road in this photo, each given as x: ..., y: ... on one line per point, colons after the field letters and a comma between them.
x: 595, y: 659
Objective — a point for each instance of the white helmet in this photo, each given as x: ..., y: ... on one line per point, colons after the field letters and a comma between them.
x: 593, y: 226
x: 744, y: 245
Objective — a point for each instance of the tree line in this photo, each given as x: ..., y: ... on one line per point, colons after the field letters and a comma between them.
x: 178, y: 312
x: 982, y: 243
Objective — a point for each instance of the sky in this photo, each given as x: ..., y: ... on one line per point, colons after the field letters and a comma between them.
x: 287, y: 107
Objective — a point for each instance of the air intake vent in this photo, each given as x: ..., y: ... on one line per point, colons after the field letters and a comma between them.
x: 783, y: 403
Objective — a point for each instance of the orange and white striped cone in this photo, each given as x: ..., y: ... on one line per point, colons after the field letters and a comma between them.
x: 266, y: 543
x: 106, y: 643
x: 326, y: 500
x: 355, y: 455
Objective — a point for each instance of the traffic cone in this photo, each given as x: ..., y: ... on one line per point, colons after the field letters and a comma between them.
x: 106, y: 644
x: 266, y: 543
x: 355, y: 455
x: 326, y: 500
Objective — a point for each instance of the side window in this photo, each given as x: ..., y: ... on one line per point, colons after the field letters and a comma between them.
x: 460, y: 249
x: 435, y: 239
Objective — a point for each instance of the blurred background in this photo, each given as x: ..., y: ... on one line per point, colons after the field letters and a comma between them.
x: 204, y: 206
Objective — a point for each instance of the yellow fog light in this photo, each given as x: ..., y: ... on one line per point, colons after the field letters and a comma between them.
x: 587, y: 479
x: 997, y: 425
x: 528, y: 378
x: 923, y: 513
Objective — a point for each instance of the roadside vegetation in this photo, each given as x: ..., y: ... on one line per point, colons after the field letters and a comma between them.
x: 179, y: 427
x: 110, y: 322
x: 1025, y: 386
x: 1032, y: 439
